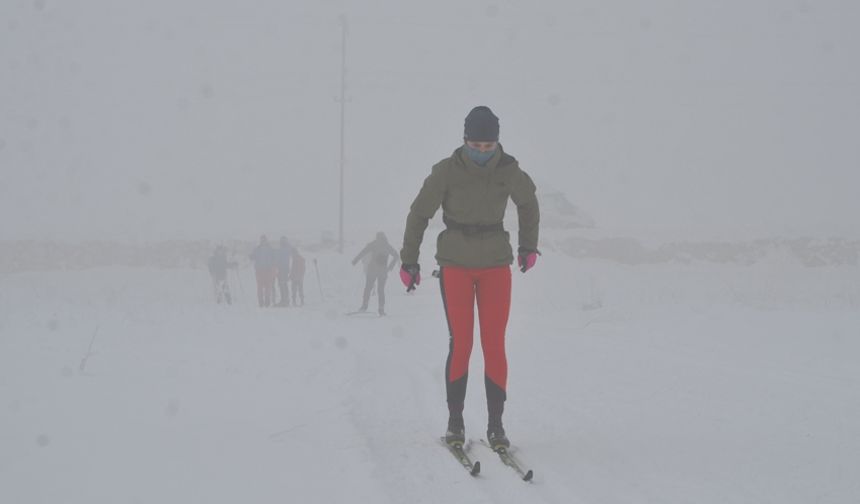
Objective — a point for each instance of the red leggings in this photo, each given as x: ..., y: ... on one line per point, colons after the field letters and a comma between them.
x: 492, y: 289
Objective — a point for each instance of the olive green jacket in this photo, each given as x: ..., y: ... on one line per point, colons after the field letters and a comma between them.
x: 470, y: 194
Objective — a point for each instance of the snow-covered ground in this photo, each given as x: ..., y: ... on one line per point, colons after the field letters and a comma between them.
x: 666, y: 383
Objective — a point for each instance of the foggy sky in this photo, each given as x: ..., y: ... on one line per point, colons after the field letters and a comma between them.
x: 156, y: 120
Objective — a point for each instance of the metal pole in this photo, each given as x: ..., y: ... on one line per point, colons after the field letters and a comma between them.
x: 319, y: 283
x: 342, y: 114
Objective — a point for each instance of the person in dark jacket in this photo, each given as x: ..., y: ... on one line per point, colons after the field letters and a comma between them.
x: 474, y: 253
x: 282, y: 261
x: 378, y: 251
x: 263, y: 257
x: 218, y: 265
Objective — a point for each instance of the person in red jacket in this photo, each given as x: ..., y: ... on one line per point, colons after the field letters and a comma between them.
x: 266, y: 269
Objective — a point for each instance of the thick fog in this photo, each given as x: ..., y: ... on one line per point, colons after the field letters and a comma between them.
x: 147, y: 121
x: 688, y: 335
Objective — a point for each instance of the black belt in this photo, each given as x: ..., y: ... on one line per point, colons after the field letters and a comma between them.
x: 472, y: 229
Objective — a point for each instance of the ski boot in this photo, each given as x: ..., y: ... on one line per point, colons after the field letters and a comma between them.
x: 497, y: 439
x: 456, y: 434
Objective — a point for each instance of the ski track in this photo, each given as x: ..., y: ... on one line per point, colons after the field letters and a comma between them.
x: 185, y: 401
x: 401, y: 400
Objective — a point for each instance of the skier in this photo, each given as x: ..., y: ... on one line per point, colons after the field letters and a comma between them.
x: 218, y: 265
x: 377, y: 269
x: 264, y: 266
x: 297, y: 277
x: 474, y: 254
x: 282, y: 261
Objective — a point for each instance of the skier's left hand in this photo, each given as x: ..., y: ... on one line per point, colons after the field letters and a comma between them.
x: 526, y: 259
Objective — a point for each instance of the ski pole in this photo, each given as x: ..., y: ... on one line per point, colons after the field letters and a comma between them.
x: 89, y: 351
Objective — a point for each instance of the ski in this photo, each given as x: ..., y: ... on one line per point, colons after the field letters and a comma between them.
x: 509, y: 460
x: 459, y: 452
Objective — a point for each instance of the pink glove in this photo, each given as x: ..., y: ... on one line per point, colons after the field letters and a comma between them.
x: 410, y: 275
x: 527, y: 259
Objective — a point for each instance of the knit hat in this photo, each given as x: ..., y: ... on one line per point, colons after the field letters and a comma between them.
x: 481, y: 125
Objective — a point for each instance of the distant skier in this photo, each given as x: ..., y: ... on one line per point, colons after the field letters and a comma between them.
x: 297, y: 277
x: 218, y: 265
x: 282, y: 261
x: 378, y: 251
x: 266, y: 270
x: 474, y: 254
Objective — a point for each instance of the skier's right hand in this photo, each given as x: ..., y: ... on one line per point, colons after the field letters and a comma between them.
x: 410, y: 275
x: 526, y: 259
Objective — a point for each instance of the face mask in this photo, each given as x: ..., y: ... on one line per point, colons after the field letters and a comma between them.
x: 478, y: 157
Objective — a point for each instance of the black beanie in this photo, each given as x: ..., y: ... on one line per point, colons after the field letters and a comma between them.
x: 481, y: 125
